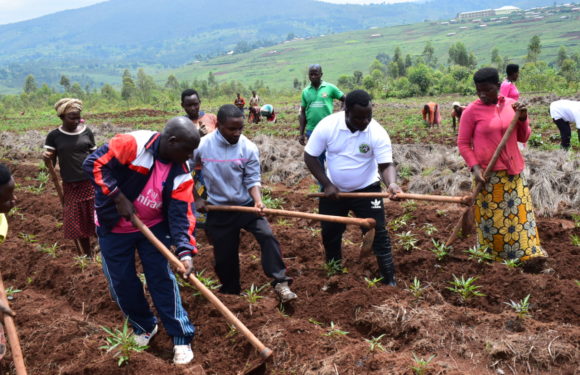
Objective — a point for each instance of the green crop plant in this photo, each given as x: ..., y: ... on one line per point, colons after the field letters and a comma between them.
x: 480, y: 254
x: 269, y: 201
x: 253, y: 294
x: 575, y: 239
x: 416, y: 288
x: 522, y: 308
x: 43, y: 177
x: 511, y: 263
x: 16, y: 212
x: 82, y: 261
x: 283, y: 222
x: 313, y: 188
x: 440, y: 212
x: 314, y: 231
x: 58, y: 224
x: 429, y: 229
x: 11, y: 292
x: 334, y: 331
x: 409, y: 205
x: 29, y: 238
x: 49, y: 249
x: 405, y: 172
x: 576, y: 218
x: 421, y: 365
x: 122, y: 342
x: 372, y: 283
x: 98, y: 259
x: 400, y: 222
x: 466, y: 288
x: 232, y: 331
x: 334, y: 267
x: 408, y: 240
x: 315, y: 322
x: 440, y: 249
x: 207, y: 281
x: 375, y: 343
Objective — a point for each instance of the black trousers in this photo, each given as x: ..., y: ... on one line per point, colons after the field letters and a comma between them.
x: 223, y: 228
x: 565, y: 133
x: 363, y: 208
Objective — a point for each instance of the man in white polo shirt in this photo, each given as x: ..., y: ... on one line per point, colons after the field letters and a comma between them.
x: 358, y: 155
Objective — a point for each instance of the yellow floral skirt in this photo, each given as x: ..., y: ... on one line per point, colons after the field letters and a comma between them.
x: 505, y: 220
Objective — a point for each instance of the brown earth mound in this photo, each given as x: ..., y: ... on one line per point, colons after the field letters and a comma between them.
x: 61, y: 308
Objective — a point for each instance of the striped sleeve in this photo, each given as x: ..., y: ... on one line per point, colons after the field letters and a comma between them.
x: 181, y: 217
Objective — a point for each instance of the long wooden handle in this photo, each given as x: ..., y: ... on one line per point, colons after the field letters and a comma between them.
x: 365, y: 223
x: 420, y: 197
x: 55, y: 180
x: 17, y: 356
x: 264, y: 351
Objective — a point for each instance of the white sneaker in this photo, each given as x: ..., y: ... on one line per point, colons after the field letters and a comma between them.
x: 182, y: 354
x: 284, y: 292
x: 144, y: 338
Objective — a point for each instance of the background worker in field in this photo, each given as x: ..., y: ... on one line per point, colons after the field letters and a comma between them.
x: 508, y: 87
x: 71, y: 143
x: 317, y: 102
x: 431, y: 115
x: 7, y: 202
x: 240, y: 102
x: 145, y: 173
x: 358, y: 150
x: 254, y: 109
x: 205, y: 123
x: 456, y: 113
x: 231, y: 167
x: 563, y: 112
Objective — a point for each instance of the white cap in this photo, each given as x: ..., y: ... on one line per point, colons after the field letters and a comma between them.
x: 456, y: 104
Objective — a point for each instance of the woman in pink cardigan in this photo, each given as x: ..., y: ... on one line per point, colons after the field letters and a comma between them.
x: 506, y: 225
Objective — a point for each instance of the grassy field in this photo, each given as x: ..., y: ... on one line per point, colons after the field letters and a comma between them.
x: 346, y: 52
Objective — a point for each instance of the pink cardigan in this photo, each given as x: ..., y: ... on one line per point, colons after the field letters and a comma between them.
x: 481, y: 129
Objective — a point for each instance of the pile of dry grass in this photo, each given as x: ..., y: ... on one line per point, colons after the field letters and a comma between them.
x: 282, y: 160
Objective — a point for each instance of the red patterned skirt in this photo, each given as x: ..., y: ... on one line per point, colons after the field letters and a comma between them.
x: 79, y: 207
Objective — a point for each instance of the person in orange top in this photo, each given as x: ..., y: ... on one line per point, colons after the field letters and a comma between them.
x: 240, y: 102
x: 431, y: 114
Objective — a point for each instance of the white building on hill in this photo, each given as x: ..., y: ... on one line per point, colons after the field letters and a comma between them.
x: 508, y: 9
x: 486, y: 13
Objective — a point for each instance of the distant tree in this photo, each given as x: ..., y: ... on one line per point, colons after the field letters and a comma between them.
x: 296, y: 84
x: 345, y: 82
x: 408, y: 61
x: 172, y: 83
x: 290, y: 36
x: 108, y: 92
x: 211, y: 81
x: 534, y: 49
x: 357, y: 77
x: 429, y: 55
x: 420, y: 75
x: 562, y: 55
x: 128, y: 90
x: 383, y: 58
x: 472, y: 60
x: 76, y: 90
x: 458, y: 54
x: 65, y: 82
x: 30, y: 84
x: 369, y: 83
x: 576, y: 57
x: 145, y: 85
x: 399, y: 64
x: 569, y: 70
x: 377, y: 65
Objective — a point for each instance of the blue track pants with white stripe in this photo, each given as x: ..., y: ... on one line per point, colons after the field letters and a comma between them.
x: 118, y: 255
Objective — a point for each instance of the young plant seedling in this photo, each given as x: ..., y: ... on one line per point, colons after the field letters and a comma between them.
x: 29, y: 238
x: 49, y: 249
x: 375, y: 343
x: 283, y: 222
x: 440, y: 212
x: 334, y: 267
x: 429, y: 229
x: 207, y: 281
x: 253, y: 294
x: 440, y: 249
x: 409, y: 206
x: 123, y: 341
x: 400, y: 222
x: 334, y: 331
x: 314, y: 231
x: 416, y: 288
x: 82, y: 261
x: 372, y: 283
x: 16, y: 212
x: 269, y: 201
x: 97, y: 258
x: 315, y: 322
x: 575, y: 239
x: 421, y: 365
x: 408, y: 240
x: 232, y: 331
x: 576, y: 218
x: 11, y: 292
x: 465, y: 288
x: 511, y: 263
x: 521, y: 308
x: 480, y: 254
x: 43, y: 177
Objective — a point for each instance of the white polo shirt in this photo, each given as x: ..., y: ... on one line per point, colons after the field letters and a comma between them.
x: 567, y: 110
x: 352, y: 158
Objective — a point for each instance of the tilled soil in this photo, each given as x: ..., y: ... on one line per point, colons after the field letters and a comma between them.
x: 61, y: 308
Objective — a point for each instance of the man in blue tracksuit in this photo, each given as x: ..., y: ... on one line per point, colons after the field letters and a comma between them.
x: 145, y: 173
x: 231, y: 169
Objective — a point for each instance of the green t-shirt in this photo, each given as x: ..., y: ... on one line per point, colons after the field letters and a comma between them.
x: 319, y: 103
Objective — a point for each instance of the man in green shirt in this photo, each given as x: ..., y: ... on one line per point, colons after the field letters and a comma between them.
x: 317, y: 102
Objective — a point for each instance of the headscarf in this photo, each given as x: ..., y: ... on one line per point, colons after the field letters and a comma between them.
x: 67, y: 105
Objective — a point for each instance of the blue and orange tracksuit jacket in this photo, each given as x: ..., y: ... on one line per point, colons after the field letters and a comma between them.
x: 125, y: 165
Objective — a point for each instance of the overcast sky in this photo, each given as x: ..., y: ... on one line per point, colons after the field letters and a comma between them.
x: 20, y: 10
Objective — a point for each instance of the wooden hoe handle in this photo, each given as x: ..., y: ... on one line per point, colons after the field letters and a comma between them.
x: 419, y: 197
x: 17, y: 356
x: 55, y: 180
x: 264, y: 351
x: 365, y: 223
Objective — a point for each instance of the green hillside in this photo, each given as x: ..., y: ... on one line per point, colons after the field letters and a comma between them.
x: 344, y: 53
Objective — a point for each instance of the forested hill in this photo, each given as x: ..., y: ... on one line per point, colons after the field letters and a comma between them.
x: 104, y: 38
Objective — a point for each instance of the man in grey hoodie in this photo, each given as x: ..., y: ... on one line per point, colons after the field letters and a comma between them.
x: 231, y: 168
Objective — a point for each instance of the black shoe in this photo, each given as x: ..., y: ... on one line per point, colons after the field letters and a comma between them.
x: 387, y: 269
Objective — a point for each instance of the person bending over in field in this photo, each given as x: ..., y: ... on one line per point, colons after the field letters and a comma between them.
x: 254, y: 105
x: 206, y: 123
x: 231, y: 167
x: 7, y: 202
x: 456, y: 113
x: 431, y: 115
x: 504, y: 213
x: 145, y: 173
x: 358, y: 150
x: 71, y: 143
x: 563, y: 112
